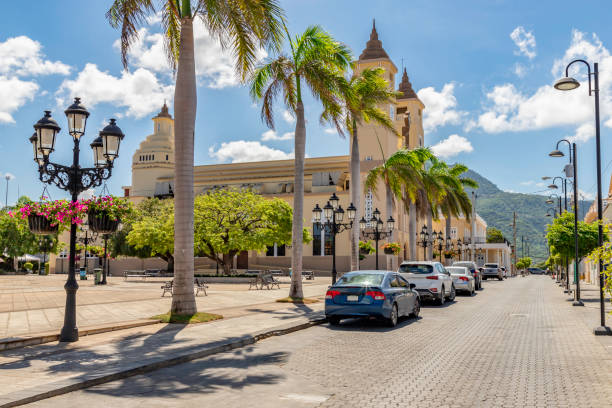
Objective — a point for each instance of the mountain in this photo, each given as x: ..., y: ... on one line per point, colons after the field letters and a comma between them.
x: 496, y: 207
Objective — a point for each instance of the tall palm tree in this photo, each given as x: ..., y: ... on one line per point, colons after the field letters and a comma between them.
x: 319, y: 62
x: 402, y: 176
x: 362, y: 96
x: 243, y: 26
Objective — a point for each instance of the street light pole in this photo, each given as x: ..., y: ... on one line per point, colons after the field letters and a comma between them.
x: 376, y: 232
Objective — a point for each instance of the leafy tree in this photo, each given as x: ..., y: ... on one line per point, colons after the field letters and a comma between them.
x: 560, y: 237
x: 319, y: 62
x: 494, y: 235
x: 228, y: 222
x: 243, y: 26
x: 604, y: 253
x: 523, y: 263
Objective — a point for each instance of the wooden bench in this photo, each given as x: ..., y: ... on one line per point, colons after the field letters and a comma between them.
x: 201, y: 286
x: 269, y: 282
x: 167, y: 287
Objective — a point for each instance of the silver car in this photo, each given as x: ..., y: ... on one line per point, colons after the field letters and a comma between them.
x: 462, y: 279
x: 492, y: 270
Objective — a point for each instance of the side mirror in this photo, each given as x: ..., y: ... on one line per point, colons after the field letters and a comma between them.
x: 412, y: 286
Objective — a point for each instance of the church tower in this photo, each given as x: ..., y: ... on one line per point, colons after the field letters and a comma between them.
x: 154, y: 159
x: 409, y: 115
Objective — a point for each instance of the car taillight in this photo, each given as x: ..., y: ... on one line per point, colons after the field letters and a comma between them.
x: 331, y: 294
x: 376, y: 295
x: 434, y: 277
x: 433, y: 289
x: 463, y: 278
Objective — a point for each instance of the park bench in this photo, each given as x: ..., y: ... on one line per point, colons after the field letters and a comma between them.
x: 269, y: 282
x: 275, y: 272
x: 201, y: 286
x: 135, y: 274
x: 308, y: 275
x: 167, y: 287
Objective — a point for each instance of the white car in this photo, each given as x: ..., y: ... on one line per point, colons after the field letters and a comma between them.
x: 462, y: 279
x: 432, y: 280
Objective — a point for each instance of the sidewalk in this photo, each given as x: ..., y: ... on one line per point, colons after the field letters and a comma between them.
x: 38, y: 372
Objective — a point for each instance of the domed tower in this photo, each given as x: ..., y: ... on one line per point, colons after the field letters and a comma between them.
x: 153, y: 161
x: 410, y: 115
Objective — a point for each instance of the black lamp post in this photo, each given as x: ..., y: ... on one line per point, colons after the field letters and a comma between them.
x: 554, y: 186
x: 85, y: 239
x: 105, y: 264
x: 424, y: 241
x: 460, y: 249
x: 573, y: 160
x: 375, y: 230
x: 566, y: 84
x: 74, y: 179
x: 334, y: 214
x: 440, y: 238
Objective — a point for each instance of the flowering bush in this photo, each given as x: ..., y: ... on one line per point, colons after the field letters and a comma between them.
x: 60, y: 212
x: 366, y: 248
x: 392, y: 247
x: 113, y: 207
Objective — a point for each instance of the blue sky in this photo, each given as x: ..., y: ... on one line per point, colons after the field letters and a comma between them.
x: 484, y: 68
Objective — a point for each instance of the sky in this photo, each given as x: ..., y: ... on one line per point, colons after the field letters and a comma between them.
x: 483, y: 68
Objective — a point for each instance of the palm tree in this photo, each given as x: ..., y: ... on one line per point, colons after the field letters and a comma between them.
x: 402, y: 176
x: 362, y: 96
x: 319, y: 62
x: 240, y: 25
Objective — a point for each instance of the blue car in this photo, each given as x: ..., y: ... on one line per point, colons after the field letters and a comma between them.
x: 379, y: 294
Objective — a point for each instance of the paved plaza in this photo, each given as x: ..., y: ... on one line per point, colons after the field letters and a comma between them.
x: 517, y: 343
x: 33, y: 304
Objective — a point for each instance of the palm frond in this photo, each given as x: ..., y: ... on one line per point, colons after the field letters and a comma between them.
x: 171, y: 23
x: 129, y: 15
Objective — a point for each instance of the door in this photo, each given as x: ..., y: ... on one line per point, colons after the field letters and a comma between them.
x: 447, y: 280
x: 242, y: 262
x: 398, y: 294
x: 409, y: 296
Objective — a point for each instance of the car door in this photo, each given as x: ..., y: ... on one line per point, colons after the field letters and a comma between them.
x: 447, y: 280
x: 397, y: 294
x: 409, y: 295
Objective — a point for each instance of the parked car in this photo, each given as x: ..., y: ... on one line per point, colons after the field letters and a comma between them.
x: 536, y: 271
x: 462, y: 279
x: 432, y: 280
x: 474, y: 270
x: 379, y: 294
x: 492, y: 270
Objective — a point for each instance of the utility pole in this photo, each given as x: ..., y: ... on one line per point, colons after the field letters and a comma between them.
x: 514, y: 240
x: 474, y: 197
x: 522, y: 246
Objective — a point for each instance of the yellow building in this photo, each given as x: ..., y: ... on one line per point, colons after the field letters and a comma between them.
x: 589, y: 270
x: 153, y: 169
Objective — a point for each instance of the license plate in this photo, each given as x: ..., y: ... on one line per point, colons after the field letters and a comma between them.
x: 352, y: 298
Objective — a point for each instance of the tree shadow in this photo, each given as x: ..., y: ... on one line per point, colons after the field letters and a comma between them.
x: 298, y: 309
x: 371, y: 325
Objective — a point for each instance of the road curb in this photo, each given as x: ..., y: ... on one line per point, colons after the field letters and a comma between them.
x: 73, y: 384
x: 48, y: 337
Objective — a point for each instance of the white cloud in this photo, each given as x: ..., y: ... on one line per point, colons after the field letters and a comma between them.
x: 140, y: 91
x: 331, y: 131
x: 509, y: 109
x: 583, y: 133
x: 584, y: 195
x: 21, y: 57
x: 520, y: 70
x: 525, y: 41
x: 440, y: 107
x: 246, y: 151
x: 214, y: 65
x: 272, y: 135
x: 288, y: 116
x: 452, y: 146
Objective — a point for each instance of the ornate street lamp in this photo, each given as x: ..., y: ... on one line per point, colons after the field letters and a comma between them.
x: 375, y: 230
x: 74, y: 179
x: 334, y: 215
x: 424, y: 240
x: 574, y: 161
x: 565, y: 84
x: 440, y: 238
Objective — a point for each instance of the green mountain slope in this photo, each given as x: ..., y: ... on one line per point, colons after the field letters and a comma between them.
x: 496, y: 207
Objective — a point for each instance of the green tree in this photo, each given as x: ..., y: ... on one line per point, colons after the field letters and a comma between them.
x: 362, y: 95
x: 243, y: 26
x: 494, y: 235
x: 228, y: 222
x: 319, y: 62
x: 560, y: 236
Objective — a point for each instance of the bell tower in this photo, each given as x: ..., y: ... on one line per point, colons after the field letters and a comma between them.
x: 375, y: 56
x: 409, y: 115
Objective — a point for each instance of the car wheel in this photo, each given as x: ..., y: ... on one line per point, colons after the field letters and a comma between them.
x: 484, y: 278
x: 473, y: 291
x: 417, y: 308
x: 453, y: 294
x: 442, y: 298
x: 392, y: 321
x: 500, y: 278
x: 334, y: 321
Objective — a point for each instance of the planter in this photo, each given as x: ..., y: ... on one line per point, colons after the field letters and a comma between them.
x: 40, y: 225
x: 364, y: 251
x: 389, y: 251
x: 448, y: 256
x: 100, y: 222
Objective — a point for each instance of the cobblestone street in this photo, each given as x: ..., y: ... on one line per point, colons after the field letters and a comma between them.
x: 517, y: 343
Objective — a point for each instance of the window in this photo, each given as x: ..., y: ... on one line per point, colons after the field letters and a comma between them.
x: 270, y: 250
x: 403, y: 282
x: 416, y: 268
x: 166, y: 157
x: 453, y: 233
x: 368, y: 158
x: 321, y: 237
x: 391, y: 112
x: 393, y: 282
x: 361, y: 279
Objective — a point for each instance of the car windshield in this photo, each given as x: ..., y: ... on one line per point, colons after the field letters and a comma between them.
x: 462, y: 264
x: 456, y: 270
x: 362, y: 279
x: 416, y: 268
x: 490, y: 266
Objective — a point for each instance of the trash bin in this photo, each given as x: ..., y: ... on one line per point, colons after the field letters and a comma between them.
x: 83, y: 273
x: 97, y: 276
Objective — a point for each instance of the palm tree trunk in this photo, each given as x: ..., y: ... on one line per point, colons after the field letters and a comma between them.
x: 298, y: 204
x: 355, y: 187
x: 389, y: 199
x: 448, y: 229
x: 183, y: 300
x: 429, y: 228
x: 412, y: 231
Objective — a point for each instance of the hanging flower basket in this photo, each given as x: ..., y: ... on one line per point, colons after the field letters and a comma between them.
x: 41, y: 225
x: 102, y: 222
x: 366, y: 248
x: 364, y: 251
x: 392, y: 248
